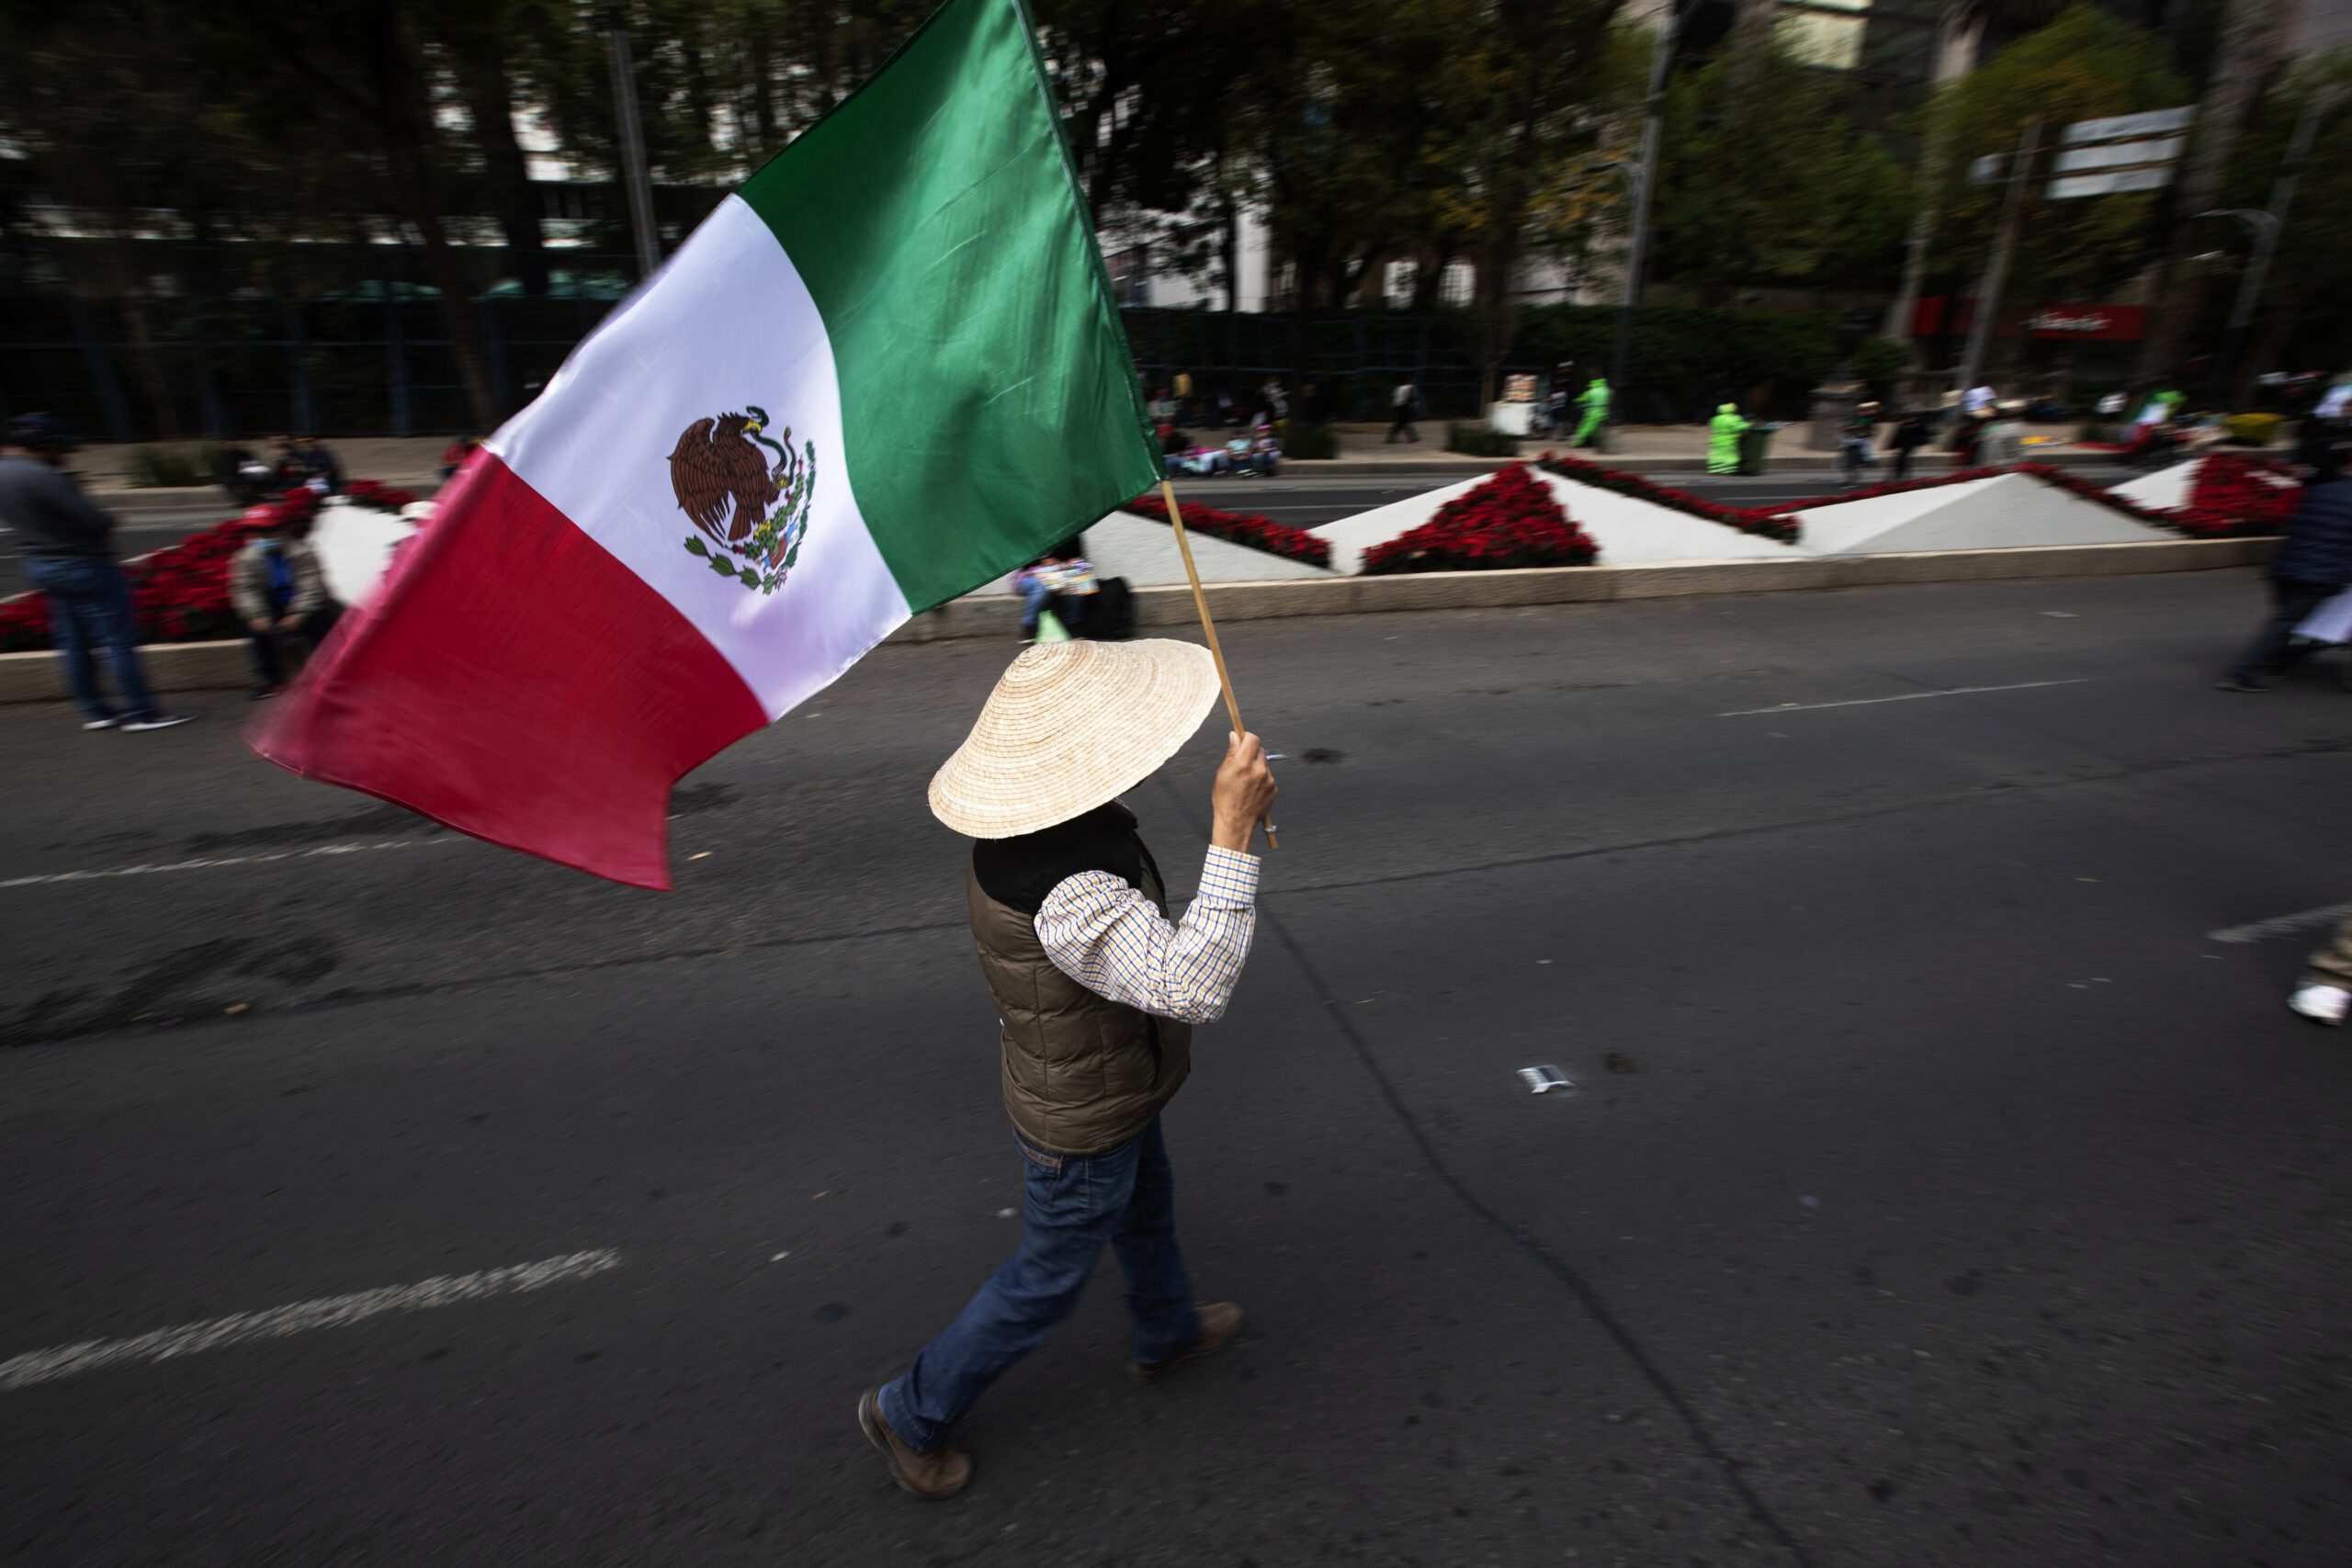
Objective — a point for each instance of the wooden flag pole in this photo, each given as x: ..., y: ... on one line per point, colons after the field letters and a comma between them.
x: 1201, y: 602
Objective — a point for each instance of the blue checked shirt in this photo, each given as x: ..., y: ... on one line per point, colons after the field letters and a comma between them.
x: 1111, y: 939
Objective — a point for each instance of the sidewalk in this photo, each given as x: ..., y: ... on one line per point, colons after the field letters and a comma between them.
x: 408, y: 462
x: 1640, y: 448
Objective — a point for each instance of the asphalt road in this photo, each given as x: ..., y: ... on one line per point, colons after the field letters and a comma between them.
x: 1936, y: 1191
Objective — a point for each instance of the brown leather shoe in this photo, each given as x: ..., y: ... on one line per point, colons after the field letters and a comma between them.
x: 933, y: 1477
x: 1219, y: 1322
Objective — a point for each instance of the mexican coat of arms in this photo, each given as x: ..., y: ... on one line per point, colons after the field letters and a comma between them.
x: 751, y: 512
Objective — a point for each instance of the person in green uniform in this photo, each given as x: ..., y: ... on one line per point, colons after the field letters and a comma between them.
x: 1595, y: 403
x: 1722, y: 440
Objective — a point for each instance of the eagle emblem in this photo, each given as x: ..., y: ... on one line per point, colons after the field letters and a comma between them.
x: 751, y: 511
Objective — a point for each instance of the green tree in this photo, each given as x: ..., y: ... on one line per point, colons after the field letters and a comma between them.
x: 1766, y: 179
x: 2303, y: 319
x: 2085, y: 65
x: 1519, y: 91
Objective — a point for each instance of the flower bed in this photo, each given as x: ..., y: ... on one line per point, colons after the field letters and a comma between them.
x: 1258, y: 532
x: 181, y: 591
x: 2233, y: 493
x: 1511, y: 520
x: 1769, y: 522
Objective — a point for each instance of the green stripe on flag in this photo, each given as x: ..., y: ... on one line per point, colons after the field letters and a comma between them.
x: 988, y: 401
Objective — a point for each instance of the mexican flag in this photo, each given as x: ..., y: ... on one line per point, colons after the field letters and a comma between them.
x: 885, y: 371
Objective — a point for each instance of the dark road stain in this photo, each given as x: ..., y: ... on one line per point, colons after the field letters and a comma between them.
x: 300, y: 961
x: 1276, y: 1188
x: 1323, y: 754
x: 898, y: 1227
x: 182, y: 986
x: 688, y: 800
x: 1881, y: 1489
x: 1966, y: 1285
x: 1618, y: 1062
x: 831, y: 1312
x: 373, y: 823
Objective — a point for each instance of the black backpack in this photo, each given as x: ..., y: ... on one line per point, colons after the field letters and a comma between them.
x: 1111, y: 611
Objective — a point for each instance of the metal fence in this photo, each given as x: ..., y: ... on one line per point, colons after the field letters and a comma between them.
x: 217, y: 342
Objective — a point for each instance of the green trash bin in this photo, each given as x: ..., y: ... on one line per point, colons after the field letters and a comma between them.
x: 1755, y: 445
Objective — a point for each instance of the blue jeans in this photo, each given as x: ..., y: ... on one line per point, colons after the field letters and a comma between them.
x: 89, y: 605
x: 1033, y: 599
x: 1075, y: 1203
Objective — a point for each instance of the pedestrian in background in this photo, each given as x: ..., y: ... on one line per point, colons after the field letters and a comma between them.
x: 1405, y: 403
x: 280, y: 594
x: 322, y: 469
x: 1314, y: 407
x: 2311, y: 566
x: 1722, y: 440
x: 1967, y: 439
x: 1915, y: 432
x: 1854, y: 452
x: 68, y: 547
x: 1595, y: 404
x: 1096, y: 991
x: 2004, y: 439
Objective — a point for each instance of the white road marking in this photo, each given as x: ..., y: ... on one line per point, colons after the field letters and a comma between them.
x: 1906, y: 697
x: 328, y: 1311
x: 161, y: 867
x: 2282, y: 925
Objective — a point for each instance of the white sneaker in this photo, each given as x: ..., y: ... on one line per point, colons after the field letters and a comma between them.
x: 2321, y: 1004
x: 155, y: 721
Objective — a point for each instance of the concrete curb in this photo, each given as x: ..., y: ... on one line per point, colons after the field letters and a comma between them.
x: 999, y: 614
x: 170, y: 666
x: 215, y: 666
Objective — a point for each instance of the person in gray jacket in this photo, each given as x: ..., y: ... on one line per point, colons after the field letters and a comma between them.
x: 68, y: 547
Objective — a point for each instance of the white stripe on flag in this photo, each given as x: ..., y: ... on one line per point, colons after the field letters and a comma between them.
x: 727, y: 326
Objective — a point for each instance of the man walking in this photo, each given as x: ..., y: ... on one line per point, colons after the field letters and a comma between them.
x: 1096, y: 991
x: 2310, y: 567
x: 69, y: 555
x: 1406, y: 400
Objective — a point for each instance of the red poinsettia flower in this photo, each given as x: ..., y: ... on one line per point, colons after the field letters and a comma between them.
x: 181, y: 591
x: 1511, y: 520
x: 1258, y: 532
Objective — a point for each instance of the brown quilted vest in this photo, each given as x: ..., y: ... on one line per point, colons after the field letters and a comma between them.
x: 1082, y: 1073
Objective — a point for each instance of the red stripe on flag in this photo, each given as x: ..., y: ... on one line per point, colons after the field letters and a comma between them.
x: 516, y: 683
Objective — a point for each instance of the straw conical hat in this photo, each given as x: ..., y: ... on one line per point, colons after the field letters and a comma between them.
x: 1072, y: 724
